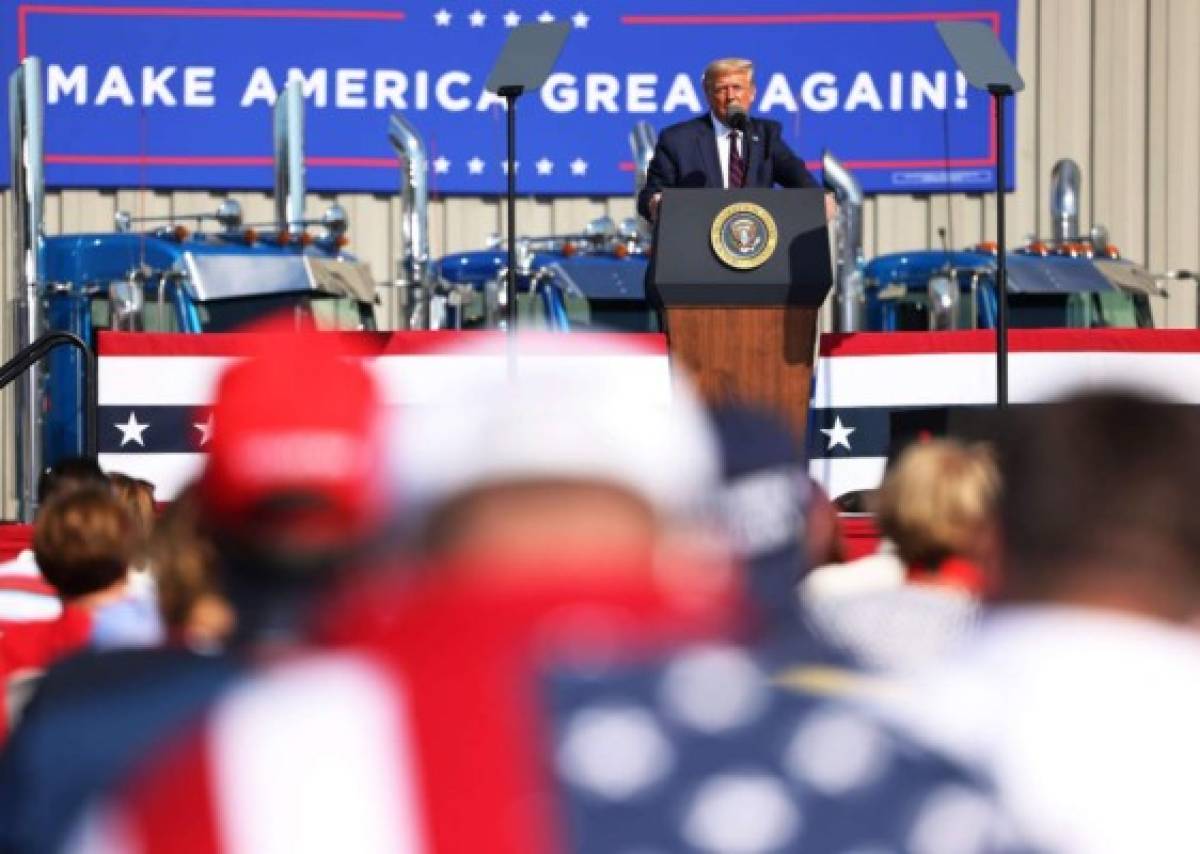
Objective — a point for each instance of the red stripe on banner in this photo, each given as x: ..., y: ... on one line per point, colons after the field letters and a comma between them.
x: 157, y: 160
x: 1019, y: 340
x: 212, y: 160
x: 384, y: 343
x: 26, y: 9
x: 992, y: 18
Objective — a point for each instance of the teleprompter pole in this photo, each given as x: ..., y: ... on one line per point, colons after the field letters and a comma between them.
x: 999, y: 93
x: 510, y: 95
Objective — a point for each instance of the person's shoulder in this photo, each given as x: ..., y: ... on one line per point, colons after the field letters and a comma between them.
x: 768, y: 126
x: 697, y: 124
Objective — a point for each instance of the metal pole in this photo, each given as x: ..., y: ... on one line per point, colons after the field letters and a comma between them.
x: 998, y: 94
x: 510, y: 95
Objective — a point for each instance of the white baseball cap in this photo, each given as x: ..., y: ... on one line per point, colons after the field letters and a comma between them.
x: 560, y: 407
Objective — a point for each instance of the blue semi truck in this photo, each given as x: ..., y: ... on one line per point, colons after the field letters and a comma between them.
x: 201, y: 273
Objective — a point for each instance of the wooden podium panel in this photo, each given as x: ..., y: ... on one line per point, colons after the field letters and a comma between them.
x: 760, y: 355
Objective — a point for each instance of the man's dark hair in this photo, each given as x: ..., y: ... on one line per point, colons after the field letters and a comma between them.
x: 1100, y: 490
x: 67, y: 474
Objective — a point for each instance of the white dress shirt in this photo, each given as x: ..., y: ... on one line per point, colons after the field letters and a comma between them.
x: 723, y: 131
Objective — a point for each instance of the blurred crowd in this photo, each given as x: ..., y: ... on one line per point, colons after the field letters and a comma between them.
x: 551, y: 616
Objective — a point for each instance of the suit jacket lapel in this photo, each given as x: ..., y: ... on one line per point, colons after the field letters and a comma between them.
x: 707, y: 140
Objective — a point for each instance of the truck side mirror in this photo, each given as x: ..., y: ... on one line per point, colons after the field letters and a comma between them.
x: 943, y: 302
x: 125, y: 301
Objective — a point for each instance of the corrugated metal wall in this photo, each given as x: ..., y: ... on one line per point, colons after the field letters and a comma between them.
x: 1110, y: 83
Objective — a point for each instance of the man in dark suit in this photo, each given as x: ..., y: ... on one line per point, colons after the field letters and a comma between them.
x: 708, y: 152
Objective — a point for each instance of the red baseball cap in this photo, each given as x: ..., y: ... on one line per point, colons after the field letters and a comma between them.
x: 298, y: 445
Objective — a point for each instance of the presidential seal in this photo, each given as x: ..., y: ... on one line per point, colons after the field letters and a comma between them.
x: 744, y: 236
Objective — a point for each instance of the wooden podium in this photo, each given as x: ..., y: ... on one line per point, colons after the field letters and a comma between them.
x: 741, y: 275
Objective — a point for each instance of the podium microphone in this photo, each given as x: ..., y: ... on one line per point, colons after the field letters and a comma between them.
x: 736, y: 117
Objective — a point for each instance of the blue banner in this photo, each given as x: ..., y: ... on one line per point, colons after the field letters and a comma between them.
x: 178, y: 96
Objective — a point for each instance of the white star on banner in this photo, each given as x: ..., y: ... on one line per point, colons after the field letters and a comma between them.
x: 441, y: 166
x: 838, y: 434
x: 132, y: 430
x: 205, y: 427
x: 579, y: 166
x: 477, y: 18
x: 504, y: 166
x: 580, y: 20
x: 511, y: 19
x: 545, y: 166
x: 442, y: 18
x: 546, y: 17
x: 475, y: 166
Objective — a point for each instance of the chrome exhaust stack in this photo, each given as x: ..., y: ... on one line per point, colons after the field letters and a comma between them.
x: 412, y: 268
x: 849, y: 299
x: 27, y: 215
x: 1064, y: 201
x: 289, y: 159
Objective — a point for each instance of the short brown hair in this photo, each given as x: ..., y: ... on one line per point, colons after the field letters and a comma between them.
x: 83, y: 541
x: 937, y: 499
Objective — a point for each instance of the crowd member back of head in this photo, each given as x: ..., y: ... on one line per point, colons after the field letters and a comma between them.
x: 83, y: 541
x: 937, y: 504
x: 912, y: 601
x: 69, y: 474
x: 1097, y: 507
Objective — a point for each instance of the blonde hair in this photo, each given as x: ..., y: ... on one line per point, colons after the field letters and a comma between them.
x: 725, y: 66
x: 137, y: 497
x: 937, y: 500
x: 184, y: 561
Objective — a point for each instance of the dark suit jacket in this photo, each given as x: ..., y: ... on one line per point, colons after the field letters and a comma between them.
x: 686, y: 156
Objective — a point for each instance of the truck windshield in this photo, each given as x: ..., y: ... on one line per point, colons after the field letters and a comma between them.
x: 327, y: 312
x: 1116, y: 309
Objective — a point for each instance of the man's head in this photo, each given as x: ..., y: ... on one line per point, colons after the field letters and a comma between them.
x: 294, y: 478
x: 84, y: 540
x: 1098, y: 505
x: 564, y: 460
x: 728, y: 82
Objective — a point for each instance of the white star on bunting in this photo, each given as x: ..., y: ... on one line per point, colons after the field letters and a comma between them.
x: 511, y: 19
x: 545, y: 166
x: 579, y: 166
x: 580, y: 20
x: 132, y: 430
x: 475, y: 166
x: 504, y: 166
x: 441, y: 166
x: 838, y: 434
x: 205, y: 427
x: 545, y: 18
x: 442, y: 18
x: 477, y: 18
